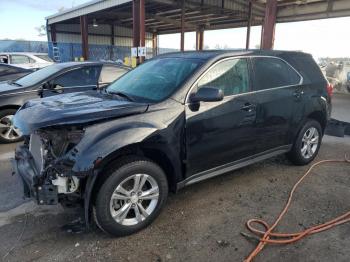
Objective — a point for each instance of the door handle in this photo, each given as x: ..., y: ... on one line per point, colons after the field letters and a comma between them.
x: 248, y: 107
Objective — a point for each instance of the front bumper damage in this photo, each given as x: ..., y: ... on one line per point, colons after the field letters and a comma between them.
x: 37, y: 186
x: 34, y: 184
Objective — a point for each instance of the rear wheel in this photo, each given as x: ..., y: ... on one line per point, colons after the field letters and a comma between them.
x: 8, y: 133
x: 307, y: 143
x: 131, y: 197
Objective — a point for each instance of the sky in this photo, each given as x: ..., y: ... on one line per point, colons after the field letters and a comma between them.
x: 321, y: 38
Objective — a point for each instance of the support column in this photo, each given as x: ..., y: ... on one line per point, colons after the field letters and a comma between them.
x: 250, y: 8
x: 84, y: 37
x: 112, y: 35
x: 268, y: 30
x: 142, y: 27
x: 112, y: 43
x: 182, y: 35
x: 53, y: 33
x: 136, y: 23
x: 155, y: 43
x: 199, y: 39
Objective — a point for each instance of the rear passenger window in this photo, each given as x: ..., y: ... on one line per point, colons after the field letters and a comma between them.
x: 111, y: 73
x: 273, y: 72
x: 307, y: 67
x: 19, y: 59
x: 231, y: 76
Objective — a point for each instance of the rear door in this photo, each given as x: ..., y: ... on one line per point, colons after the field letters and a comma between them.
x: 75, y: 80
x: 279, y: 94
x: 219, y: 133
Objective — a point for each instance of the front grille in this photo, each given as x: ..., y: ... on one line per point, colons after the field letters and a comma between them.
x: 36, y: 149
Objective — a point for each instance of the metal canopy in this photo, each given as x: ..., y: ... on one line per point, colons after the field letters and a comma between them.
x: 164, y: 16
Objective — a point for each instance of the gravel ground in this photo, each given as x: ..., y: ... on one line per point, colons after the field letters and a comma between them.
x: 202, y: 222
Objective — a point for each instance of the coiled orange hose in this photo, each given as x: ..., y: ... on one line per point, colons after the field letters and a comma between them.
x: 287, y: 238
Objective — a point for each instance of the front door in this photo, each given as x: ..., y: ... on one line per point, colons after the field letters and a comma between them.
x: 279, y: 95
x: 219, y: 133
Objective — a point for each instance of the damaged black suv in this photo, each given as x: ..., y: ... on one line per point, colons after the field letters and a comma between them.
x: 173, y: 121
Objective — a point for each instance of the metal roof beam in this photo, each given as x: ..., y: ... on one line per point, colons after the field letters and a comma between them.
x: 169, y: 20
x: 314, y: 10
x: 211, y: 8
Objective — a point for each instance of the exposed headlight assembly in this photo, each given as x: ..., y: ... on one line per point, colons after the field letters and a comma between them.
x: 59, y: 142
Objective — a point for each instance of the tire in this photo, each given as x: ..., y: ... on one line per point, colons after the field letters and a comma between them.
x: 301, y: 156
x: 121, y: 180
x: 8, y: 134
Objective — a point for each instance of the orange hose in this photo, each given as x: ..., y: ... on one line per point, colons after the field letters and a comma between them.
x: 287, y: 238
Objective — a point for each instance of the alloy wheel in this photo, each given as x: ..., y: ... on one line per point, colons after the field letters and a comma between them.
x: 134, y: 199
x: 8, y: 130
x: 310, y: 142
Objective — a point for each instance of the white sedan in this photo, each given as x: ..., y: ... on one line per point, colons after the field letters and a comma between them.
x: 26, y: 60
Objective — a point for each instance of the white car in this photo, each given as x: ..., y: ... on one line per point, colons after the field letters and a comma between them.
x: 26, y: 60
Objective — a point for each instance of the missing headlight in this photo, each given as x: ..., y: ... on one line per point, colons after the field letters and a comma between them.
x: 60, y: 141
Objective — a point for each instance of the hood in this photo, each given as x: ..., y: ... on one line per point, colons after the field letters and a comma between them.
x: 6, y: 88
x: 73, y: 108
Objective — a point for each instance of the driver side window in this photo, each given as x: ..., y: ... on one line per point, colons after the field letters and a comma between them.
x: 85, y: 76
x: 231, y: 76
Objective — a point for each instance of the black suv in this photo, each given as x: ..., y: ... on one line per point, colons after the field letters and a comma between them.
x: 173, y: 121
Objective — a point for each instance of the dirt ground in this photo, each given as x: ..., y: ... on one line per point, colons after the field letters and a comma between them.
x: 202, y: 222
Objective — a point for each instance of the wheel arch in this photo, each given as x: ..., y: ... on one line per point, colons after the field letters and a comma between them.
x: 319, y: 117
x: 5, y: 107
x: 159, y: 156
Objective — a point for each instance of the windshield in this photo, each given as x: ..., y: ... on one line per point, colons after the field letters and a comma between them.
x: 45, y: 57
x: 155, y: 80
x: 38, y: 76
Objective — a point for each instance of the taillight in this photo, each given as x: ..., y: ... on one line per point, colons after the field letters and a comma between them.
x: 330, y: 89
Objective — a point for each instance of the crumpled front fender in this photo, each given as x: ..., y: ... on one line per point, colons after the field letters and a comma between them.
x: 94, y: 148
x: 160, y: 129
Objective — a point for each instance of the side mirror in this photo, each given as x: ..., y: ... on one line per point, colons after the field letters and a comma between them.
x: 207, y: 94
x: 46, y: 86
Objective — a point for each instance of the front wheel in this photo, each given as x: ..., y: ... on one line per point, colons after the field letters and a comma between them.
x: 131, y: 197
x: 307, y: 143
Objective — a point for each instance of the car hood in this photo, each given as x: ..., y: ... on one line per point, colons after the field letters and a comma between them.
x: 73, y: 108
x: 6, y: 88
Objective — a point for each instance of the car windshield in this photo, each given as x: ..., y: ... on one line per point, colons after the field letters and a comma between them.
x: 156, y: 79
x: 45, y: 57
x: 38, y: 76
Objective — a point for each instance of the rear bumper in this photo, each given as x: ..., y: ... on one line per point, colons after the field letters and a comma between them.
x: 34, y: 182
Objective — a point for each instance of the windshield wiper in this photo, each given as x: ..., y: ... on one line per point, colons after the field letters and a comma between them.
x: 118, y: 93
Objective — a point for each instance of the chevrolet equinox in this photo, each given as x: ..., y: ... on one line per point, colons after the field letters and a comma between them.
x: 173, y: 121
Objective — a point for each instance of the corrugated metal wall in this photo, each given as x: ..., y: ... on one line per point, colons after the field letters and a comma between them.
x: 123, y: 35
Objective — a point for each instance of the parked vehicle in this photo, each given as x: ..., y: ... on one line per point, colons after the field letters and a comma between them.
x: 26, y: 60
x: 9, y: 72
x: 348, y: 81
x: 49, y: 81
x: 173, y: 121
